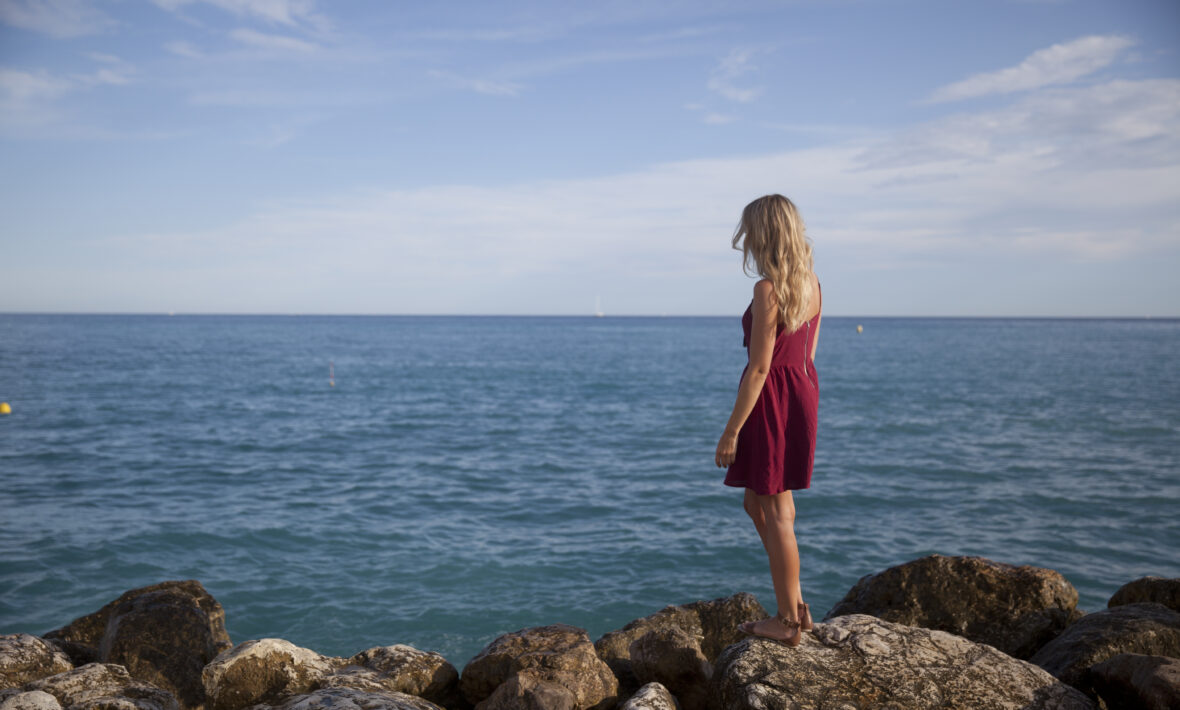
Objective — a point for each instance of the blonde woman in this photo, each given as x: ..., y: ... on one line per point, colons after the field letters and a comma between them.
x: 769, y: 443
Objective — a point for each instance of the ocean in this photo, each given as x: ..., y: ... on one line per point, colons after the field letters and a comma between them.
x: 471, y: 476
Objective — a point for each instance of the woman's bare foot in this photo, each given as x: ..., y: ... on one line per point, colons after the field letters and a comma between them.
x: 777, y: 628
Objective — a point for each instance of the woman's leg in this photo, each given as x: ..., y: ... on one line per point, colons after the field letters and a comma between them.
x: 778, y: 514
x: 754, y: 510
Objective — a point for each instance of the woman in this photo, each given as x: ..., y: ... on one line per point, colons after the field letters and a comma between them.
x: 769, y: 443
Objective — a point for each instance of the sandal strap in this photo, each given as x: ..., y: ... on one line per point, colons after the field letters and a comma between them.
x: 789, y: 623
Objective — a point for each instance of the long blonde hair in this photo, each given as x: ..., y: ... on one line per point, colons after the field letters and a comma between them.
x: 772, y: 238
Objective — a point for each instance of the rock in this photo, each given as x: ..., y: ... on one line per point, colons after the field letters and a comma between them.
x: 528, y: 690
x: 25, y: 657
x: 351, y: 699
x: 1015, y: 609
x: 713, y: 622
x: 1146, y: 628
x: 31, y: 700
x: 1161, y: 590
x: 403, y: 669
x: 263, y: 671
x: 861, y: 661
x: 163, y: 634
x: 673, y: 658
x: 652, y: 696
x: 1133, y: 680
x: 558, y: 653
x: 101, y: 686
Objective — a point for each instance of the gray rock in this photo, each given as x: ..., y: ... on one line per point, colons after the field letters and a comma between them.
x: 559, y: 654
x: 652, y: 696
x: 1161, y: 590
x: 1134, y: 680
x: 25, y: 657
x: 102, y: 686
x: 673, y: 658
x: 861, y: 661
x: 163, y: 634
x: 350, y: 699
x: 264, y: 671
x: 528, y: 690
x: 404, y: 669
x: 31, y: 700
x: 1015, y: 609
x: 713, y: 622
x: 1147, y: 628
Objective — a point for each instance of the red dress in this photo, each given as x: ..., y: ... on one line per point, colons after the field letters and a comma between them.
x: 776, y: 446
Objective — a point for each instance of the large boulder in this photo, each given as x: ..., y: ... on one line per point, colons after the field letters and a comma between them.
x: 652, y: 696
x: 163, y: 634
x: 558, y: 654
x: 1161, y: 590
x: 264, y: 671
x: 673, y: 658
x: 351, y: 699
x: 1134, y: 680
x: 714, y: 623
x: 1146, y: 628
x: 30, y: 700
x: 25, y: 657
x: 1015, y: 609
x: 528, y: 690
x: 93, y: 686
x: 404, y: 669
x: 862, y: 661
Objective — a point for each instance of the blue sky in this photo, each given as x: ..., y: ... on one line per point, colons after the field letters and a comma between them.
x: 300, y: 156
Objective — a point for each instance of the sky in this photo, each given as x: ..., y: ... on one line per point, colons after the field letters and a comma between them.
x: 968, y: 158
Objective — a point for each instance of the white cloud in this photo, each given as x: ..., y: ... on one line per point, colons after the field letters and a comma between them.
x: 718, y: 119
x: 272, y: 42
x: 57, y: 18
x: 1061, y: 63
x: 481, y: 86
x: 723, y: 78
x: 284, y: 12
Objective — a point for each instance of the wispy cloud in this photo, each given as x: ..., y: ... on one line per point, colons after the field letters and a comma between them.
x: 724, y: 77
x: 284, y: 12
x: 31, y: 98
x: 482, y: 86
x: 272, y: 42
x: 1059, y: 64
x: 56, y: 18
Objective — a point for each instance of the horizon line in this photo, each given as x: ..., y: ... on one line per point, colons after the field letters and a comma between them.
x: 168, y: 314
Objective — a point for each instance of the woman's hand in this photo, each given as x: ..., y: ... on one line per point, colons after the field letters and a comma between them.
x: 726, y: 449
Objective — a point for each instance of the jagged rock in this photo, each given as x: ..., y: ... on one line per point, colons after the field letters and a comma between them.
x: 673, y: 658
x: 652, y: 696
x: 1161, y: 590
x: 1147, y: 628
x: 25, y: 657
x: 714, y: 622
x: 163, y: 634
x: 404, y: 669
x: 31, y: 700
x: 1134, y: 680
x: 350, y: 699
x: 1015, y: 609
x: 558, y: 653
x: 861, y: 661
x: 98, y: 686
x: 264, y: 671
x: 528, y: 690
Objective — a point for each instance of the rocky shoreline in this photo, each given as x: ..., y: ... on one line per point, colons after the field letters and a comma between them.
x: 935, y: 632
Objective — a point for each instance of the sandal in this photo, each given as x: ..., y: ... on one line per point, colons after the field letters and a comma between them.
x: 747, y: 627
x: 805, y: 617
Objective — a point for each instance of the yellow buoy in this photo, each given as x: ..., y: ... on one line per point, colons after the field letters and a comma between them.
x: 4, y: 408
x: 860, y: 329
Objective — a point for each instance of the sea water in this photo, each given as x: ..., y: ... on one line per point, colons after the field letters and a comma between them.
x: 463, y: 477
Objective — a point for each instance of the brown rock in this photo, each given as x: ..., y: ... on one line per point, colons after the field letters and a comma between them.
x: 31, y: 700
x: 1133, y: 680
x: 264, y: 671
x: 861, y: 661
x: 102, y: 686
x: 1015, y: 609
x: 1161, y: 590
x: 404, y: 669
x: 25, y: 657
x: 559, y: 653
x: 674, y: 659
x: 163, y: 634
x: 1146, y: 628
x: 528, y: 690
x: 652, y: 696
x: 351, y: 699
x: 713, y: 622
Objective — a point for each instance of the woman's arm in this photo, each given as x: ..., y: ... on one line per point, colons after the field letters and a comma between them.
x: 762, y: 335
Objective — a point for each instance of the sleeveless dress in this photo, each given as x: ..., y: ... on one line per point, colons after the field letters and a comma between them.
x: 776, y: 446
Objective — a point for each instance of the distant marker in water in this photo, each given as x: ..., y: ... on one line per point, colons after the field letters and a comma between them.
x: 4, y: 408
x: 331, y: 375
x: 860, y: 329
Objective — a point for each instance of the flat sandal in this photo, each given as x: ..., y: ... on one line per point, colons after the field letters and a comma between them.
x: 747, y: 627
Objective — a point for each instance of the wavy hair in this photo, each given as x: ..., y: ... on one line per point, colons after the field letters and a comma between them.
x: 772, y: 238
